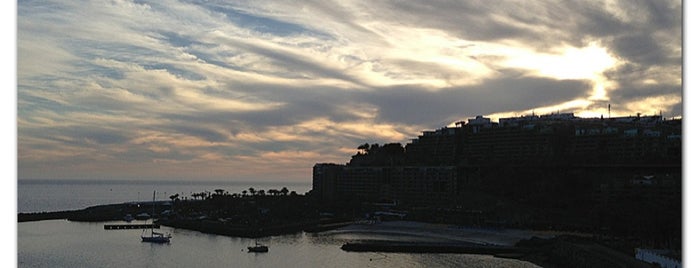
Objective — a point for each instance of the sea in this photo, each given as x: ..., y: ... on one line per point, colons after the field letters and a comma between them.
x: 58, y: 195
x: 62, y: 243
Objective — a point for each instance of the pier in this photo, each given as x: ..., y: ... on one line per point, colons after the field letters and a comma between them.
x: 130, y: 226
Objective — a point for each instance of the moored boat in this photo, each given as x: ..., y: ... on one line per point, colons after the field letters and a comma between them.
x: 258, y: 248
x: 155, y: 237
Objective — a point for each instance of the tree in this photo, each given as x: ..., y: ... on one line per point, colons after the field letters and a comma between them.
x: 374, y: 148
x: 252, y: 191
x: 219, y: 191
x: 245, y: 192
x: 175, y: 197
x: 364, y: 148
x: 284, y: 191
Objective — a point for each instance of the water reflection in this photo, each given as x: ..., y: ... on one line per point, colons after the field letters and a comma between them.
x: 72, y: 244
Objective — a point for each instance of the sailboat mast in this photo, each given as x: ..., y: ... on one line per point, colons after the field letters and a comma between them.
x: 153, y: 215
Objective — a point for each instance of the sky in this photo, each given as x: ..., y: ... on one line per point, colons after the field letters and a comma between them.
x: 263, y: 90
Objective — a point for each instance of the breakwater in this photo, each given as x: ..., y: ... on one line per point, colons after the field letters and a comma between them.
x: 111, y: 212
x: 116, y: 212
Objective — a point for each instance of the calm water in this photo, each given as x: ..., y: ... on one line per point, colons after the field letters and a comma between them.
x: 61, y: 243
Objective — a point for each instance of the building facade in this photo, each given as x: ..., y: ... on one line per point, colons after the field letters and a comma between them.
x: 405, y: 185
x: 527, y: 153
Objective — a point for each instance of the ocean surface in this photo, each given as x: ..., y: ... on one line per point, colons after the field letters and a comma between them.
x: 62, y: 243
x: 58, y: 195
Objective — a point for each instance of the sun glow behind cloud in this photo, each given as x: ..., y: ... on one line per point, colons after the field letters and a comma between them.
x: 586, y: 63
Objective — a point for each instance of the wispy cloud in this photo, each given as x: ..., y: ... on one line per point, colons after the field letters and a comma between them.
x: 264, y: 89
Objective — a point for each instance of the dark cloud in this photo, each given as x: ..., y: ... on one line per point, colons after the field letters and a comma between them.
x: 641, y: 38
x: 468, y: 19
x: 299, y: 104
x: 145, y: 154
x: 548, y: 24
x: 80, y: 136
x: 104, y: 137
x: 179, y: 40
x: 259, y: 23
x: 409, y: 104
x: 298, y: 64
x: 639, y: 92
x: 200, y: 132
x: 675, y: 110
x: 639, y: 48
x: 176, y: 71
x: 88, y: 68
x: 419, y: 106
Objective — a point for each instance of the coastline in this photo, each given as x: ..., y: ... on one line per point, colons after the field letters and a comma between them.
x: 542, y: 248
x: 116, y: 212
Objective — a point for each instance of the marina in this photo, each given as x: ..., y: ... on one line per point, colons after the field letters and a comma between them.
x: 92, y: 246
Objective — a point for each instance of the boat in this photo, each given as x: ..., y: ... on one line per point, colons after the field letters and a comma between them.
x: 155, y: 237
x: 258, y: 248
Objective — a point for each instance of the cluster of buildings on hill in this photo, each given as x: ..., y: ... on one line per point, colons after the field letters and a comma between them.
x: 435, y: 167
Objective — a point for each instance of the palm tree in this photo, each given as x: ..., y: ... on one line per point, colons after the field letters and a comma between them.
x: 284, y: 191
x: 245, y: 192
x: 252, y: 191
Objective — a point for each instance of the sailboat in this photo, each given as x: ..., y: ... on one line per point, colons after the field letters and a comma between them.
x: 155, y: 237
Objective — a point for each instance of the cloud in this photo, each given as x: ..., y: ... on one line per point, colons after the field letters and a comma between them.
x: 416, y: 106
x: 245, y: 89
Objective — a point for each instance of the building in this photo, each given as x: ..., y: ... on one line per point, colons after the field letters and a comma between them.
x: 526, y: 153
x: 405, y: 185
x: 324, y: 180
x: 557, y: 139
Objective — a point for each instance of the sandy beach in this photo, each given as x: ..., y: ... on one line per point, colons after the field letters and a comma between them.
x: 430, y: 232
